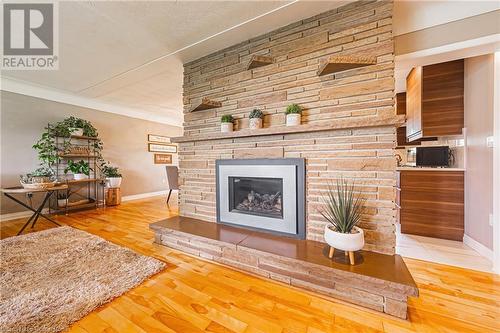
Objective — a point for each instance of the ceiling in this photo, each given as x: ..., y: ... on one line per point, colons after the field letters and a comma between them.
x: 126, y: 57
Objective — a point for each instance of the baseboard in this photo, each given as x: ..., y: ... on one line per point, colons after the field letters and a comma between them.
x: 478, y: 247
x: 144, y: 195
x: 20, y: 215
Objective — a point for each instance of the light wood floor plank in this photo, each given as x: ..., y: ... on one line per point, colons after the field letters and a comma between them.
x: 193, y: 295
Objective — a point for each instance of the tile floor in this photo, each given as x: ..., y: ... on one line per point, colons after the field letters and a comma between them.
x: 441, y: 251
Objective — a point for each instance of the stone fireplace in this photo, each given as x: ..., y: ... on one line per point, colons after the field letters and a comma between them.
x: 262, y: 194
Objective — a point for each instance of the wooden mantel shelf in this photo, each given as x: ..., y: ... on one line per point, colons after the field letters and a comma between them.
x: 372, y: 121
x: 206, y: 104
x: 342, y: 63
x: 259, y: 61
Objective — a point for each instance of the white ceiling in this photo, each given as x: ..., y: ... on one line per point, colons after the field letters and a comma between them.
x: 126, y: 57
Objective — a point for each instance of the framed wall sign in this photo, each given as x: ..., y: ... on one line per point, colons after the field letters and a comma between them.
x: 163, y: 159
x: 160, y: 148
x: 158, y: 138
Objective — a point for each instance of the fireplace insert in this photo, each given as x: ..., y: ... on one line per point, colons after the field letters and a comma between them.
x: 263, y: 194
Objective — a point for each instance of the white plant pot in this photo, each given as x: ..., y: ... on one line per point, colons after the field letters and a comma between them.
x: 113, y: 182
x: 76, y: 131
x: 62, y: 203
x: 255, y: 123
x: 226, y: 127
x: 345, y: 242
x: 293, y: 119
x: 80, y: 176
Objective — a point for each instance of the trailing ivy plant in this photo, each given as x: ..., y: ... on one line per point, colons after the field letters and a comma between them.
x: 47, y: 149
x: 65, y: 128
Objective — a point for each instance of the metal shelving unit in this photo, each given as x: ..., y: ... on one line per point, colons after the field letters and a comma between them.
x: 90, y: 192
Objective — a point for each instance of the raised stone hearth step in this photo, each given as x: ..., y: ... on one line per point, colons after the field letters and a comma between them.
x: 377, y: 281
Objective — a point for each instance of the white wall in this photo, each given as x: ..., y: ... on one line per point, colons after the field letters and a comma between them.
x: 479, y: 99
x: 410, y: 15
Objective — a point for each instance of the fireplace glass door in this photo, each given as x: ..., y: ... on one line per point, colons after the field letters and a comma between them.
x: 256, y: 196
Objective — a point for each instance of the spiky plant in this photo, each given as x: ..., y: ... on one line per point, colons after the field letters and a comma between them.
x: 256, y: 113
x: 342, y: 206
x: 227, y: 118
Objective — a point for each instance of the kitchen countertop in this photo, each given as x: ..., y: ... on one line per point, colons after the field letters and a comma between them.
x: 408, y: 168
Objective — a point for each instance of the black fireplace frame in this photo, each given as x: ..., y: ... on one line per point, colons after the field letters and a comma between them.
x: 300, y: 174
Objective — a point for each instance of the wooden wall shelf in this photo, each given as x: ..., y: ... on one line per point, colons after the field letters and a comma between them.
x: 206, y: 104
x: 342, y: 63
x: 259, y: 61
x: 373, y: 121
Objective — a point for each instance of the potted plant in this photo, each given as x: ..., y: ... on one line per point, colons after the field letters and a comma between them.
x: 256, y: 117
x: 81, y: 169
x: 42, y: 177
x: 62, y: 198
x: 343, y: 209
x: 226, y: 123
x: 293, y: 114
x: 113, y: 176
x: 75, y: 126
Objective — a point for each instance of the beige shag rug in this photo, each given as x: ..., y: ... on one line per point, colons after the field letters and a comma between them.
x: 52, y: 278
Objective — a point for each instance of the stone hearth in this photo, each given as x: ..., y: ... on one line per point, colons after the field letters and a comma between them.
x: 378, y: 281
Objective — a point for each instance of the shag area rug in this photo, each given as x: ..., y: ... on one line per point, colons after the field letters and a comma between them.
x: 52, y: 278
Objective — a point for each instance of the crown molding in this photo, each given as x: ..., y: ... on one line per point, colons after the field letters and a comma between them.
x: 51, y: 94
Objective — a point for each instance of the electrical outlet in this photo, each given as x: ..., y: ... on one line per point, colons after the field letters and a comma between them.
x: 491, y: 220
x: 490, y: 141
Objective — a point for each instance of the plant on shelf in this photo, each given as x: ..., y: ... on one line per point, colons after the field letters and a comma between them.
x: 62, y: 198
x: 226, y: 123
x: 293, y: 115
x: 113, y: 176
x: 343, y: 209
x: 256, y: 117
x: 81, y: 169
x: 74, y: 126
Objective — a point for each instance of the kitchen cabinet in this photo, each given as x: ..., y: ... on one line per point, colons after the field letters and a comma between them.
x: 432, y: 203
x: 435, y: 100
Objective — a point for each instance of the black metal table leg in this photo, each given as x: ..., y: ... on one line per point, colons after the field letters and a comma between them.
x: 31, y: 208
x: 39, y: 210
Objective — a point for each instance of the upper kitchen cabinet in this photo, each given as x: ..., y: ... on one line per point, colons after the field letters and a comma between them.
x: 435, y: 100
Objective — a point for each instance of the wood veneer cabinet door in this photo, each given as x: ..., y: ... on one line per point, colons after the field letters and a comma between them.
x: 432, y: 204
x: 401, y: 103
x: 443, y: 99
x: 414, y: 104
x: 435, y: 100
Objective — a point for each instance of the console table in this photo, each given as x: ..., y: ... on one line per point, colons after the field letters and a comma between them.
x: 8, y: 192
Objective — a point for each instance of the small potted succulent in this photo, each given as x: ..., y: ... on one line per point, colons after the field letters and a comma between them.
x: 226, y: 123
x: 293, y: 114
x: 343, y: 210
x: 81, y: 169
x: 113, y: 176
x: 256, y: 117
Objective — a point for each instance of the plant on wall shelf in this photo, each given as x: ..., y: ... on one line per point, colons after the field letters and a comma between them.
x: 226, y: 123
x: 256, y: 117
x: 343, y: 209
x: 80, y: 169
x: 293, y: 115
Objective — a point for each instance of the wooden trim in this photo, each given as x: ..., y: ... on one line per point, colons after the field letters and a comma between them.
x: 374, y: 121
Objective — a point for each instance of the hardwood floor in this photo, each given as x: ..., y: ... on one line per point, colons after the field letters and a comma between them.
x: 192, y: 295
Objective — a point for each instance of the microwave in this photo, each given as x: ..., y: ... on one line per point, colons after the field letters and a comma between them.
x: 433, y: 156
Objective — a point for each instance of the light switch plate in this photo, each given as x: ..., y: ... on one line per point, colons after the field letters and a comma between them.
x: 490, y: 141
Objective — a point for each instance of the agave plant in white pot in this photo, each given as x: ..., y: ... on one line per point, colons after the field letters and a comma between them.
x: 255, y: 119
x: 343, y: 208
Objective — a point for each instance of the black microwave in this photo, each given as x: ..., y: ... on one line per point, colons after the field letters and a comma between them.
x: 433, y: 156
